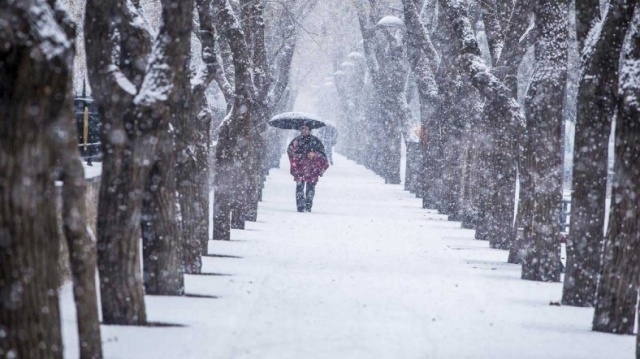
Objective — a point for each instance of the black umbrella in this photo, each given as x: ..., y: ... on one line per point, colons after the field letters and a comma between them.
x: 293, y: 121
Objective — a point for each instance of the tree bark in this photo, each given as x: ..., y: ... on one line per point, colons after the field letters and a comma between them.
x: 587, y: 15
x: 617, y: 293
x: 134, y: 117
x: 37, y: 56
x: 234, y: 143
x: 493, y: 28
x: 386, y: 63
x: 545, y: 128
x: 494, y: 90
x: 162, y: 244
x: 423, y: 59
x: 596, y: 104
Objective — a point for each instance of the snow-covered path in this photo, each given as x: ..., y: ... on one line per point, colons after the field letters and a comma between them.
x: 367, y: 274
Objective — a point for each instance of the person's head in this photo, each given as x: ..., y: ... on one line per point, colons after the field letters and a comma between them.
x: 305, y: 130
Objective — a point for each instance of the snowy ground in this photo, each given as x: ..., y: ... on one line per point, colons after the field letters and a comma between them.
x: 367, y: 274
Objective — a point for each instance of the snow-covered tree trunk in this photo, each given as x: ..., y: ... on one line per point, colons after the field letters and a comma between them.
x: 517, y: 38
x: 118, y: 223
x: 509, y: 128
x: 234, y: 149
x: 279, y: 65
x: 134, y: 101
x: 254, y: 30
x: 162, y: 243
x: 587, y: 15
x: 192, y: 121
x: 544, y: 153
x: 508, y: 49
x: 352, y: 94
x: 493, y: 27
x: 423, y: 59
x: 596, y: 104
x: 386, y: 60
x: 36, y: 142
x: 617, y: 291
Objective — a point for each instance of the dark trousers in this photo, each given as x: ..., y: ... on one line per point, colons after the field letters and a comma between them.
x: 304, y: 196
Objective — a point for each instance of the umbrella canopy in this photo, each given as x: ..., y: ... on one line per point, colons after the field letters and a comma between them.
x: 293, y: 121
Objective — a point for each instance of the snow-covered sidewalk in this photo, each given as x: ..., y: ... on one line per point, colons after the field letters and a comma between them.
x: 367, y: 274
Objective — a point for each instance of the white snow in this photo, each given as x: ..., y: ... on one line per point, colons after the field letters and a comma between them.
x: 391, y: 21
x: 347, y: 64
x: 92, y: 171
x: 355, y: 56
x: 367, y: 274
x: 297, y: 115
x: 51, y: 38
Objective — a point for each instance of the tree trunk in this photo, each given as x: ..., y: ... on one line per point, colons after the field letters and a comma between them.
x: 596, y: 104
x: 510, y: 132
x: 545, y: 128
x: 386, y: 63
x: 234, y: 149
x: 34, y: 79
x: 617, y: 292
x: 133, y: 100
x: 79, y: 236
x: 587, y: 15
x: 514, y: 50
x: 493, y: 28
x: 254, y: 30
x: 162, y: 244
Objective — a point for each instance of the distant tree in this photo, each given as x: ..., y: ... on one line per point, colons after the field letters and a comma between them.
x: 597, y: 100
x: 38, y: 145
x: 385, y: 52
x: 134, y: 94
x: 234, y: 148
x: 617, y: 293
x: 423, y: 59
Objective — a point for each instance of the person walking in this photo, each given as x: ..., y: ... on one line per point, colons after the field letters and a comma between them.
x: 308, y: 161
x: 328, y: 135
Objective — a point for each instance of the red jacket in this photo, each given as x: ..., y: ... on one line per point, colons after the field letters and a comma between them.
x: 304, y: 168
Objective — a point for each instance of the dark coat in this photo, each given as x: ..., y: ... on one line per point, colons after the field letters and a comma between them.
x: 304, y: 168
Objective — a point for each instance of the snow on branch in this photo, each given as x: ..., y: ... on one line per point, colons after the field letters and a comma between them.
x: 121, y: 80
x: 44, y: 29
x: 629, y: 88
x: 391, y: 21
x: 158, y: 82
x: 471, y: 59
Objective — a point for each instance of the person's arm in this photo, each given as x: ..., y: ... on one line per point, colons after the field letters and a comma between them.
x: 291, y: 149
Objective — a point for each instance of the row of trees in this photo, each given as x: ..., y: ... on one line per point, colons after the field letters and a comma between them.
x: 413, y: 62
x: 151, y: 87
x: 478, y: 138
